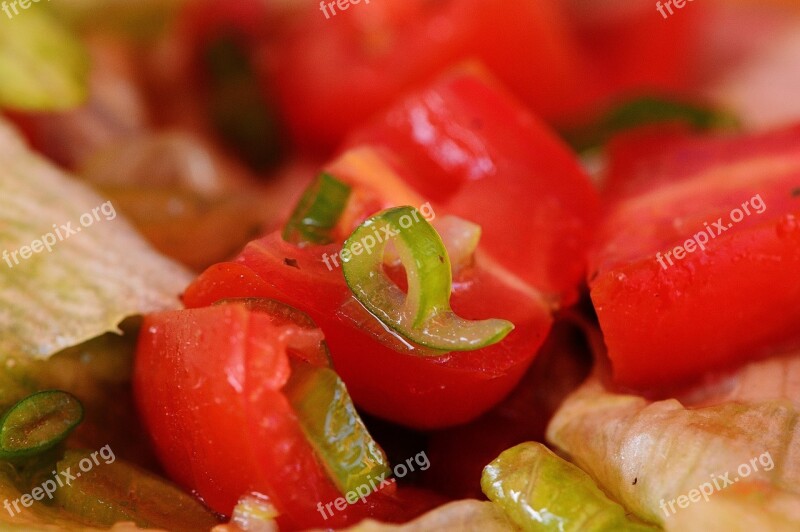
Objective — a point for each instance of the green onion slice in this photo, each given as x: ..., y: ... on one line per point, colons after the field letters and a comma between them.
x: 423, y: 315
x: 334, y: 428
x: 317, y: 212
x: 647, y: 110
x: 38, y: 423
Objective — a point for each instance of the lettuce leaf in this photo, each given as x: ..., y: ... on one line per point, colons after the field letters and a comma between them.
x: 43, y: 66
x: 737, y: 439
x: 89, y: 281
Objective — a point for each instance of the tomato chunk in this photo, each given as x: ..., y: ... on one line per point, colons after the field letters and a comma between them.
x: 475, y: 152
x: 335, y: 72
x: 385, y: 380
x: 697, y: 264
x: 216, y: 391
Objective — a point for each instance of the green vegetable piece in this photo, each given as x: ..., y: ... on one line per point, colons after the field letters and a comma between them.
x: 317, y: 212
x: 43, y: 66
x: 423, y: 315
x: 38, y: 423
x: 647, y: 110
x: 106, y: 491
x: 334, y: 428
x: 541, y: 492
x: 238, y: 105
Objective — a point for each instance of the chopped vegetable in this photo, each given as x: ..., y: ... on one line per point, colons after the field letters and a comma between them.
x: 423, y: 315
x: 66, y: 245
x: 334, y: 428
x: 287, y: 420
x: 306, y: 343
x: 705, y: 225
x: 43, y: 66
x: 649, y: 110
x: 318, y: 212
x: 652, y: 456
x: 38, y: 423
x: 541, y: 492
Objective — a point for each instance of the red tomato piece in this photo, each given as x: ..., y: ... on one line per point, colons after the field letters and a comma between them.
x: 484, y: 158
x: 697, y: 264
x: 208, y: 386
x: 475, y: 152
x: 333, y: 73
x: 421, y: 392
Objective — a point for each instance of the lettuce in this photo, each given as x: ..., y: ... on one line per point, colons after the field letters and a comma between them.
x: 728, y: 453
x: 85, y: 278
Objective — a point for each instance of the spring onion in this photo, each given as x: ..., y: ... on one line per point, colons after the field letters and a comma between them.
x: 318, y: 212
x: 423, y: 315
x: 334, y: 428
x: 38, y: 423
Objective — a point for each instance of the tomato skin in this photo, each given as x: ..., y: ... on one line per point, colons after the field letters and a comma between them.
x: 207, y: 383
x: 715, y: 308
x: 473, y: 150
x: 334, y: 73
x: 415, y: 391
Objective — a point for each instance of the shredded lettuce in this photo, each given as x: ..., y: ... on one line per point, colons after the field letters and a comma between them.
x: 88, y: 279
x: 649, y: 454
x: 43, y: 66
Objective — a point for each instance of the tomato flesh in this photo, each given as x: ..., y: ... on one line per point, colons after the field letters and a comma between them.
x: 667, y: 321
x: 208, y: 386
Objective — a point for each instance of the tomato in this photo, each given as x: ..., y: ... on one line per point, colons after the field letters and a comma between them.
x: 209, y: 386
x: 475, y: 152
x: 635, y: 50
x: 333, y: 73
x: 696, y: 265
x: 508, y: 174
x: 417, y: 391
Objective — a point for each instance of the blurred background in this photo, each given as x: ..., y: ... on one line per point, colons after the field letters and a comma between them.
x: 206, y: 118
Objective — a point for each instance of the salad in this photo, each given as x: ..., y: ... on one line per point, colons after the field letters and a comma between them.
x: 391, y: 265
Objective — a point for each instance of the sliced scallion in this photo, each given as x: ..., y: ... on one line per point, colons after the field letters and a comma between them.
x: 317, y: 212
x: 423, y: 314
x: 38, y: 423
x: 334, y: 428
